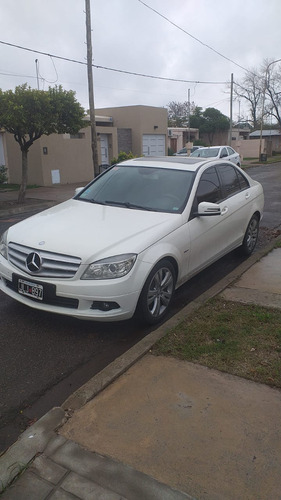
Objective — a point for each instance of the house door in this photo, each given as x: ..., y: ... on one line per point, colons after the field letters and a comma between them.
x: 174, y: 144
x: 104, y: 149
x: 153, y: 145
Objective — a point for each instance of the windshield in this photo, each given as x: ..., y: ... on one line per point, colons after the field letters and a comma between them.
x: 206, y: 153
x: 143, y: 188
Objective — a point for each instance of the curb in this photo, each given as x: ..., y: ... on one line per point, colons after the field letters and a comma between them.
x: 32, y: 441
x: 27, y: 208
x: 37, y: 437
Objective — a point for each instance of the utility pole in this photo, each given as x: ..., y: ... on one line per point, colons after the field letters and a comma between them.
x: 37, y: 73
x: 231, y: 102
x: 188, y: 94
x: 91, y: 89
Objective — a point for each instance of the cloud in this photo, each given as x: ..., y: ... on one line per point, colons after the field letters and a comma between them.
x: 127, y: 35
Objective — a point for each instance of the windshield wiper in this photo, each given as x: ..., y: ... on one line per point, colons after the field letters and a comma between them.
x: 91, y: 200
x: 127, y: 204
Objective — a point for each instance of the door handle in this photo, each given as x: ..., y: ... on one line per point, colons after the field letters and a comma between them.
x: 247, y: 195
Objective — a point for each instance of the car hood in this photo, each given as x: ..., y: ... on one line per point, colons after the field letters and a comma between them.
x: 90, y: 231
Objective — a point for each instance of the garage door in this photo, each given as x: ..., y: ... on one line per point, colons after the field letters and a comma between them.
x: 153, y: 145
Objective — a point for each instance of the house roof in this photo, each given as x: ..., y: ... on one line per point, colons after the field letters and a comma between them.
x: 265, y: 133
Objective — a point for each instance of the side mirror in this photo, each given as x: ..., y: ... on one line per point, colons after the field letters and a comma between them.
x: 206, y: 208
x: 77, y: 190
x: 223, y: 155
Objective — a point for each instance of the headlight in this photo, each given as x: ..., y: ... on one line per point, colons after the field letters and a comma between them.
x: 111, y: 268
x: 3, y: 245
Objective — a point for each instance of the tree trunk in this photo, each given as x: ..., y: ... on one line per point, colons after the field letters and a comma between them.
x: 22, y: 190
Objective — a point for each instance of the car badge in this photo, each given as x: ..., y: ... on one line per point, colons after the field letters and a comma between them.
x: 41, y: 243
x: 33, y: 262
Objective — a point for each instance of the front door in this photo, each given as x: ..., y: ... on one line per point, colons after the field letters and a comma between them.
x: 104, y: 149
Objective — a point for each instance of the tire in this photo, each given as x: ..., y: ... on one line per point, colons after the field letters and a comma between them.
x: 157, y: 293
x: 251, y: 236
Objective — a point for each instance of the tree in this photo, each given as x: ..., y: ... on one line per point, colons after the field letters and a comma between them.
x: 209, y: 121
x: 196, y: 118
x: 250, y: 89
x: 28, y: 114
x: 178, y: 113
x: 272, y: 89
x: 214, y: 121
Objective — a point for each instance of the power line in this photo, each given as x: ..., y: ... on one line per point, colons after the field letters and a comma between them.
x: 110, y: 69
x: 192, y: 36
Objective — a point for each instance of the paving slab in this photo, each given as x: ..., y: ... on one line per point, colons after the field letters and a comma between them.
x: 209, y: 434
x: 261, y: 284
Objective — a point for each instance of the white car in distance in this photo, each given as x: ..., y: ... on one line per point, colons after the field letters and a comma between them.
x: 218, y: 153
x: 132, y: 236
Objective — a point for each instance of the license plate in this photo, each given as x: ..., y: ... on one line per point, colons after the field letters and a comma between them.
x: 30, y: 289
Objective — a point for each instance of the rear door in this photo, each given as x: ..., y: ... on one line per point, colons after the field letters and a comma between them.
x: 233, y: 156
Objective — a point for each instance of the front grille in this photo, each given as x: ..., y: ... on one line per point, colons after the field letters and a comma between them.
x: 50, y: 296
x: 52, y: 265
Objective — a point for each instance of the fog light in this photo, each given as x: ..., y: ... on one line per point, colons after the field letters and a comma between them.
x: 104, y: 306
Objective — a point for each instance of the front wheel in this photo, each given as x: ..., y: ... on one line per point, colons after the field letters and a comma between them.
x: 251, y: 236
x: 157, y: 293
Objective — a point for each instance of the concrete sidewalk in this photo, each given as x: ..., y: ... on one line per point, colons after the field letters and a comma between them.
x: 150, y: 427
x: 36, y: 198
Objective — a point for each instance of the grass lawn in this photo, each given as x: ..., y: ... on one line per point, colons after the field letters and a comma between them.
x: 239, y: 339
x: 270, y: 159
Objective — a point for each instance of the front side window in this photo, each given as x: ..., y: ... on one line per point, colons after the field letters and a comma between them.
x: 141, y: 188
x: 208, y: 188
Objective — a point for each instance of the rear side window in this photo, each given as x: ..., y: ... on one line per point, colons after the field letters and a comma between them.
x: 232, y: 180
x: 230, y: 151
x: 244, y: 184
x: 224, y: 153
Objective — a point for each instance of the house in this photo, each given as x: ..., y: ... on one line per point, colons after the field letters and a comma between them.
x: 178, y: 137
x: 272, y: 139
x: 140, y: 129
x: 66, y: 159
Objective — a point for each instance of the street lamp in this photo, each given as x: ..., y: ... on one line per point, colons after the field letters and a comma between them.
x: 263, y: 100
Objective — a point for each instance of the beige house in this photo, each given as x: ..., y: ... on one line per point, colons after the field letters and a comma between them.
x: 178, y: 137
x: 66, y: 159
x: 140, y: 129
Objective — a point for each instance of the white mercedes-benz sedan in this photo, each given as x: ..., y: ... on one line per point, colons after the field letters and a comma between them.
x: 127, y: 240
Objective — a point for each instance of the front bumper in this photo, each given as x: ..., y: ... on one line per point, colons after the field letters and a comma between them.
x: 82, y: 299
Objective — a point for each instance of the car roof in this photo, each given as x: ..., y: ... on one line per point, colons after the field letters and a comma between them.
x: 213, y: 147
x: 169, y: 161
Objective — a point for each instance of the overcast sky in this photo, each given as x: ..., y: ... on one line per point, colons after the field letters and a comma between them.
x: 127, y: 35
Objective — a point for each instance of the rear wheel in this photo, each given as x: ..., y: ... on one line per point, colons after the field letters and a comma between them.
x: 157, y: 293
x: 251, y: 236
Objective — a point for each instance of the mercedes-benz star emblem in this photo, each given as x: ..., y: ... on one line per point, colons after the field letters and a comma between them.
x: 33, y: 262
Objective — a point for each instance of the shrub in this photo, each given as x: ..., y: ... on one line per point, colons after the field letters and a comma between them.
x: 122, y: 157
x: 3, y: 174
